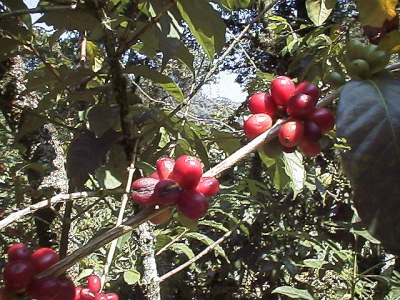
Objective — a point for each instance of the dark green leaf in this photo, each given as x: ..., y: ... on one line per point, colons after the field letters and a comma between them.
x: 368, y: 117
x: 293, y: 292
x: 70, y: 20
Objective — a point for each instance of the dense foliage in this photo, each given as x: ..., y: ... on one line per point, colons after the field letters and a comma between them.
x: 96, y: 91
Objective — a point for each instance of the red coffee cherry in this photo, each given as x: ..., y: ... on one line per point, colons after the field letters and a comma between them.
x: 309, y: 89
x: 19, y: 251
x: 256, y: 124
x: 78, y: 293
x: 262, y: 103
x: 312, y: 131
x: 187, y: 172
x: 167, y: 192
x: 291, y: 133
x: 100, y: 296
x: 47, y: 288
x: 112, y: 296
x: 208, y: 186
x: 282, y: 88
x: 142, y: 190
x: 94, y: 283
x: 163, y: 217
x: 310, y: 148
x: 155, y: 175
x: 299, y: 105
x: 323, y: 117
x: 192, y: 205
x: 164, y: 167
x: 86, y: 294
x: 6, y: 295
x: 67, y: 289
x: 17, y: 275
x: 43, y: 259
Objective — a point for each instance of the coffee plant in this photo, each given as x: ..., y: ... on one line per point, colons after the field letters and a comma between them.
x: 121, y: 178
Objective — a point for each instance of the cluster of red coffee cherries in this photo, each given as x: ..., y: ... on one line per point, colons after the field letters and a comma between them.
x: 179, y: 183
x: 305, y: 124
x: 22, y: 267
x: 92, y: 291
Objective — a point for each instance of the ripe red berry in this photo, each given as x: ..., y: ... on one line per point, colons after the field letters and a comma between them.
x: 142, y: 190
x: 154, y: 175
x: 17, y: 275
x: 262, y: 103
x: 299, y: 105
x: 187, y: 171
x: 193, y: 205
x: 47, y: 288
x: 310, y: 148
x: 163, y: 217
x: 166, y: 192
x: 19, y: 251
x: 256, y: 124
x: 282, y: 88
x: 43, y: 259
x: 86, y: 294
x: 164, y: 167
x: 67, y: 289
x: 291, y: 133
x: 94, y: 283
x: 112, y: 296
x: 312, y: 131
x: 6, y: 295
x: 78, y: 293
x: 309, y: 89
x: 100, y: 296
x: 208, y: 186
x: 323, y: 117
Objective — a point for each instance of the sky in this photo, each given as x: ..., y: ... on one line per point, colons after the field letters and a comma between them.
x: 224, y: 85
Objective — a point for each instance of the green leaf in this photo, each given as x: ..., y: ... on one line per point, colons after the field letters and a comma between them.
x: 234, y: 4
x: 213, y: 224
x: 293, y: 292
x: 95, y: 56
x: 366, y: 235
x: 182, y: 248
x: 319, y: 10
x: 205, y: 23
x: 162, y: 80
x: 207, y: 241
x: 314, y: 263
x: 101, y: 118
x: 131, y: 276
x: 70, y: 20
x: 276, y: 170
x: 294, y: 168
x: 368, y: 117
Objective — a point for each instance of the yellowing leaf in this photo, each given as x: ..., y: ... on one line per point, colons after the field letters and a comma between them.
x: 391, y: 42
x: 374, y: 13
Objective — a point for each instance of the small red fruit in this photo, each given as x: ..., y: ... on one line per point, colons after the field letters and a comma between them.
x: 163, y: 217
x: 208, y: 186
x: 300, y: 105
x: 282, y: 88
x: 6, y: 295
x: 166, y: 192
x: 262, y: 103
x: 67, y: 289
x: 43, y: 259
x: 187, y: 171
x: 154, y: 175
x: 142, y: 190
x: 310, y: 148
x: 312, y: 132
x: 100, y: 296
x: 291, y: 133
x: 323, y: 117
x: 164, y: 166
x: 112, y: 296
x: 309, y: 89
x: 78, y: 293
x: 47, y: 288
x: 256, y: 124
x: 86, y: 294
x: 17, y: 275
x: 94, y: 283
x: 19, y: 251
x: 193, y: 205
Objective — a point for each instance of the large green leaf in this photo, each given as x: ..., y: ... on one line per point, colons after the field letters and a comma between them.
x: 293, y: 293
x: 319, y: 10
x: 234, y: 4
x: 164, y: 81
x: 368, y: 117
x: 294, y: 168
x: 205, y: 23
x: 70, y: 20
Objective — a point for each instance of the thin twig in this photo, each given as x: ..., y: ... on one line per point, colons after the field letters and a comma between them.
x: 49, y: 202
x: 201, y: 254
